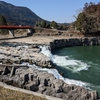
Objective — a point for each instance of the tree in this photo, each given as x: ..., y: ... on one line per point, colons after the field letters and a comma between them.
x: 37, y: 24
x: 3, y: 20
x: 43, y: 24
x: 54, y: 24
x: 86, y: 24
x: 47, y: 25
x: 79, y: 21
x: 85, y: 6
x: 90, y: 25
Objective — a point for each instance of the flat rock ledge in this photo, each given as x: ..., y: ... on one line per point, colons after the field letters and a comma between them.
x: 43, y: 82
x: 29, y: 54
x: 34, y: 80
x: 84, y: 41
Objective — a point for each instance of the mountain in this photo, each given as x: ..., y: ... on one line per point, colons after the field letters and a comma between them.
x: 18, y: 15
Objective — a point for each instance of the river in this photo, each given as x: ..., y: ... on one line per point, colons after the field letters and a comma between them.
x: 80, y: 63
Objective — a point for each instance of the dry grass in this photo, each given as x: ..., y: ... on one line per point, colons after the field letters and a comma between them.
x: 6, y: 94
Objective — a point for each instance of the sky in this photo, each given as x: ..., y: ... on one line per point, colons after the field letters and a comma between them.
x: 61, y: 11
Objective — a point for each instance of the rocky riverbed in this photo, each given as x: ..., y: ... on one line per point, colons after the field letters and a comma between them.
x: 42, y: 82
x: 13, y: 72
x: 18, y: 53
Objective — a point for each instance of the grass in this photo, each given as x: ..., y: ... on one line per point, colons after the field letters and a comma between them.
x: 7, y: 94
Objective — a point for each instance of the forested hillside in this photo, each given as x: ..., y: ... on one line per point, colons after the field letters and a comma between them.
x: 18, y: 15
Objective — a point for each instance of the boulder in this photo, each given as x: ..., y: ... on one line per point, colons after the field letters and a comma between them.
x: 58, y: 85
x: 94, y: 95
x: 18, y: 82
x: 31, y: 87
x: 67, y: 88
x: 49, y: 91
x: 25, y: 76
x: 45, y: 78
x: 42, y: 89
x: 60, y: 95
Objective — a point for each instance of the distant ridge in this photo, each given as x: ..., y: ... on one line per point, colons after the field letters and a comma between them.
x: 18, y: 15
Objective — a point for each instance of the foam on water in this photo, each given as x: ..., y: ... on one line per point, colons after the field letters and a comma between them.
x: 64, y: 61
x: 58, y: 76
x: 61, y: 61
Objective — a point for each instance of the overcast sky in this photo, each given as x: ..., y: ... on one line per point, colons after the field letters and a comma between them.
x: 60, y: 11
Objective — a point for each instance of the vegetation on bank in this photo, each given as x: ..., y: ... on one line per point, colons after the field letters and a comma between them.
x: 88, y: 21
x: 6, y: 94
x: 53, y: 25
x: 44, y: 24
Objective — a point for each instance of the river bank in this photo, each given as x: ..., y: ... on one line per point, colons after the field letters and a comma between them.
x: 29, y: 52
x: 58, y: 41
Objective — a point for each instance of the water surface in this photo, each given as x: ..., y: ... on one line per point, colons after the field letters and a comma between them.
x: 82, y: 63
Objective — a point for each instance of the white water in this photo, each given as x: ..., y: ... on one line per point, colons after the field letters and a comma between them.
x: 64, y: 61
x: 58, y: 76
x: 59, y: 60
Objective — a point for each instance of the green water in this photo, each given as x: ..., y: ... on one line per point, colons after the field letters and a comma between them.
x: 89, y: 56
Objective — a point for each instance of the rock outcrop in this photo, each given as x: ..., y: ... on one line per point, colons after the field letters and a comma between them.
x: 40, y: 81
x: 44, y: 83
x: 75, y: 42
x: 20, y: 54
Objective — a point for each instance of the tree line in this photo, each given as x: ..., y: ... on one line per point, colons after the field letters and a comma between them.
x: 53, y: 25
x: 45, y: 24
